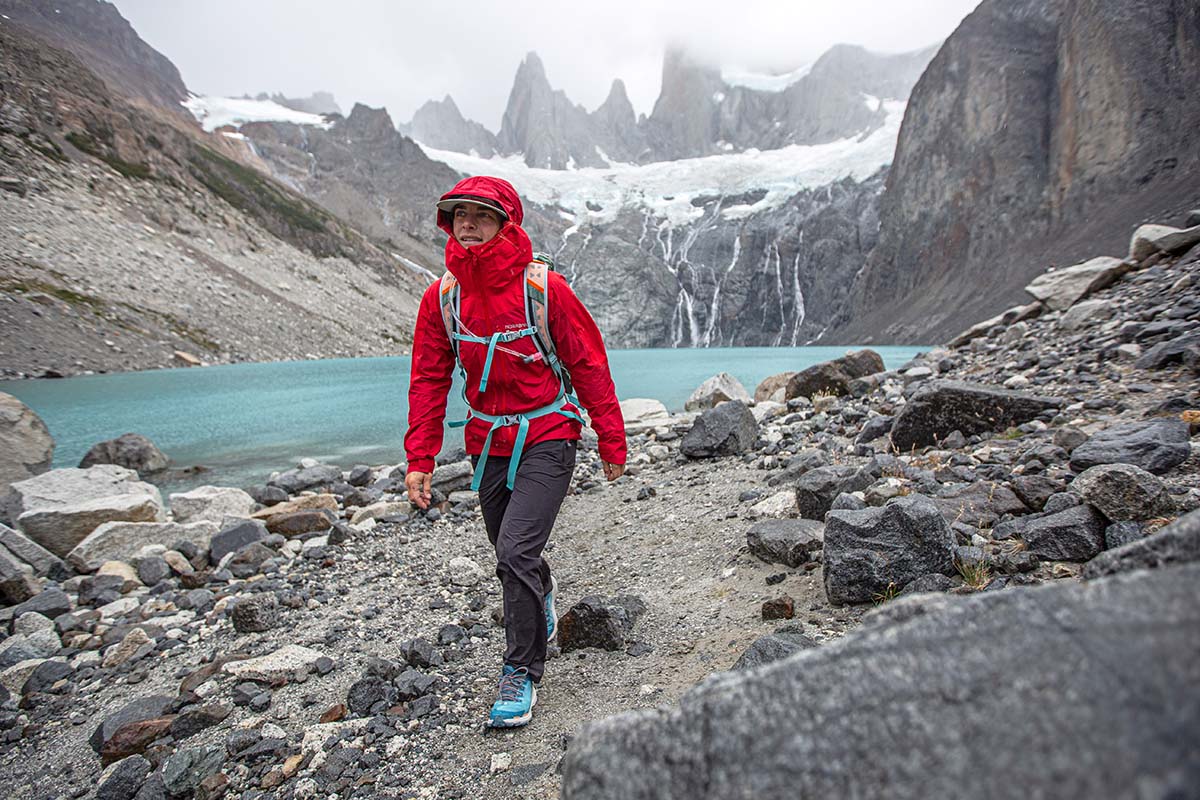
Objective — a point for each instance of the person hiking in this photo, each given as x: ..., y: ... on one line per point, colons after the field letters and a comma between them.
x: 492, y: 314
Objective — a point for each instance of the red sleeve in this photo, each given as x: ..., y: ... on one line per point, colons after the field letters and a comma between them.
x: 428, y: 384
x: 580, y: 347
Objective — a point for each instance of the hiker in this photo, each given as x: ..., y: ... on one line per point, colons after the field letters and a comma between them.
x: 522, y: 341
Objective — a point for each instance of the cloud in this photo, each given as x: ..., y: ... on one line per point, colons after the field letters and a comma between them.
x: 399, y: 54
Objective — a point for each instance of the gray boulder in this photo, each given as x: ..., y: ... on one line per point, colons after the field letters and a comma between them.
x: 1062, y: 288
x: 26, y: 447
x: 1076, y: 534
x: 909, y: 706
x: 980, y: 504
x: 210, y: 503
x: 122, y: 540
x: 1122, y: 533
x: 875, y: 551
x: 939, y: 408
x: 41, y: 561
x: 817, y: 488
x: 773, y: 385
x: 720, y: 388
x: 1178, y: 543
x: 1155, y: 445
x: 773, y: 647
x: 131, y: 451
x: 234, y: 537
x: 785, y: 541
x: 142, y: 708
x: 727, y: 430
x: 834, y: 377
x: 255, y: 614
x: 297, y: 480
x: 1183, y: 349
x: 1123, y: 492
x: 453, y: 477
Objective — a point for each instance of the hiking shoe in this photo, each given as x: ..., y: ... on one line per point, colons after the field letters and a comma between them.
x: 514, y: 707
x: 551, y: 614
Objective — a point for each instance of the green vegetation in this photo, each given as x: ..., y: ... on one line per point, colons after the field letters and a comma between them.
x: 87, y: 144
x: 977, y: 575
x: 247, y: 190
x: 887, y: 595
x: 46, y: 147
x: 31, y: 286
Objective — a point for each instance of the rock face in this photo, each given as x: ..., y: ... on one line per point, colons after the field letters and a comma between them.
x: 941, y: 407
x: 823, y: 723
x: 441, y: 125
x: 875, y: 551
x: 26, y: 447
x: 726, y: 430
x: 1056, y: 150
x: 130, y: 450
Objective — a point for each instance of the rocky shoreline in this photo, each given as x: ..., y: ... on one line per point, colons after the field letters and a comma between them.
x: 318, y: 637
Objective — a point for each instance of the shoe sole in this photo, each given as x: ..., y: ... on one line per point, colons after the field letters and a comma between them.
x: 553, y: 611
x: 516, y: 722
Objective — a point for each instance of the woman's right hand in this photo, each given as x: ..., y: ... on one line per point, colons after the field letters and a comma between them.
x: 420, y: 488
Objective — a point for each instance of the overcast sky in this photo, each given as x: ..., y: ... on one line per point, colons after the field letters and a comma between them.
x: 399, y: 53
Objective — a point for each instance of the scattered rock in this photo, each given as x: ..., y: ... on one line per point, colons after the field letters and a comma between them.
x: 1123, y: 492
x: 594, y: 622
x: 210, y: 504
x: 255, y: 614
x: 773, y: 647
x: 1155, y: 445
x: 1076, y: 534
x: 729, y: 429
x: 785, y: 541
x: 1062, y: 288
x: 131, y: 451
x: 720, y: 388
x: 941, y: 407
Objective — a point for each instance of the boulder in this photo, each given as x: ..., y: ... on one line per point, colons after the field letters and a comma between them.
x: 59, y: 508
x: 143, y: 708
x: 297, y: 480
x: 980, y: 504
x: 817, y: 488
x: 1062, y: 288
x: 773, y: 647
x: 641, y: 412
x: 939, y: 408
x: 280, y: 665
x: 122, y: 780
x: 1178, y: 543
x: 1086, y: 314
x: 26, y: 447
x: 297, y: 523
x: 234, y: 537
x: 41, y: 561
x: 785, y: 541
x: 309, y: 502
x: 131, y: 451
x: 727, y: 430
x: 1183, y: 349
x: 767, y: 409
x: 1076, y: 534
x: 1150, y: 239
x: 719, y: 388
x: 871, y: 553
x: 1155, y: 445
x: 123, y: 540
x: 773, y: 387
x: 380, y: 510
x: 909, y: 706
x: 210, y: 503
x: 1123, y: 492
x: 595, y: 622
x: 256, y: 613
x: 776, y: 506
x: 834, y: 377
x: 453, y: 477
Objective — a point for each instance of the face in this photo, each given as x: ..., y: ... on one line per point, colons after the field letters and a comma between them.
x: 474, y: 224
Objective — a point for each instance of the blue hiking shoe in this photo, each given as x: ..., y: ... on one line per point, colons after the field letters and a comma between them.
x: 514, y: 707
x: 551, y: 613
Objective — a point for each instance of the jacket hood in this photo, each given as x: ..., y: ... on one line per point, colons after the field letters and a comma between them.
x: 496, y: 190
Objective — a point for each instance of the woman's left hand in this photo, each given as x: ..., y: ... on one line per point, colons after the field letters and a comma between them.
x: 613, y: 471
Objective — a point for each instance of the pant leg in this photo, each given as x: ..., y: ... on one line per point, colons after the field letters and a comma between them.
x: 542, y: 480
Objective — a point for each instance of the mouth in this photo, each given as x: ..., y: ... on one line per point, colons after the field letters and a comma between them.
x: 470, y: 239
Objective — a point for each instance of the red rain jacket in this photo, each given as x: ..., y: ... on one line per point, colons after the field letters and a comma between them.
x: 493, y: 299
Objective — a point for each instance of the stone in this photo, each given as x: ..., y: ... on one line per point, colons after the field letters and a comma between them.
x: 188, y: 767
x: 308, y: 502
x: 297, y: 523
x: 49, y: 603
x: 834, y: 377
x: 824, y: 723
x: 933, y: 582
x: 193, y: 720
x: 1122, y: 533
x: 131, y: 451
x: 871, y: 553
x: 249, y: 560
x: 595, y: 622
x: 256, y: 613
x: 1177, y: 543
x: 777, y: 506
x: 1085, y: 314
x: 45, y: 675
x: 453, y: 477
x: 720, y: 388
x: 122, y: 780
x: 297, y: 480
x: 31, y: 622
x: 1035, y: 490
x: 773, y: 647
x: 380, y: 510
x: 26, y: 447
x: 765, y: 410
x: 771, y: 386
x: 134, y: 737
x: 40, y: 560
x: 817, y: 488
x: 369, y: 693
x: 142, y: 708
x: 420, y: 653
x: 1123, y: 492
x: 1150, y: 239
x: 280, y: 665
x: 465, y: 572
x: 791, y: 542
x: 1183, y: 349
x: 1076, y: 534
x: 123, y: 540
x: 360, y: 475
x: 940, y: 407
x: 210, y: 504
x: 60, y: 528
x: 783, y: 607
x: 729, y: 429
x: 127, y: 648
x: 231, y: 538
x: 1062, y: 288
x: 873, y: 428
x: 178, y: 563
x: 980, y: 504
x: 153, y: 569
x: 119, y: 569
x: 1155, y: 445
x: 641, y: 412
x: 412, y: 684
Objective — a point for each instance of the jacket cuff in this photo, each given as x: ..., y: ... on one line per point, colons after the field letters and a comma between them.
x: 420, y: 465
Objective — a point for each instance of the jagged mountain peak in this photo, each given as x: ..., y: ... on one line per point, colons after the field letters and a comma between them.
x: 368, y: 122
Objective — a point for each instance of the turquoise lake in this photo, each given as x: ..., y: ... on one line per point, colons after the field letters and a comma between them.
x: 243, y: 421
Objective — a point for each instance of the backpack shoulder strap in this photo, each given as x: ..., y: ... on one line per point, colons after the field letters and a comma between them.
x: 449, y: 297
x: 537, y: 311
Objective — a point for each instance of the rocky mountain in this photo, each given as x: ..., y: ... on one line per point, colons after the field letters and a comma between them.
x: 106, y: 43
x: 1041, y: 131
x: 316, y: 103
x: 439, y: 124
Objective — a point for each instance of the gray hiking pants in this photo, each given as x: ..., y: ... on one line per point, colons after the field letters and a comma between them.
x: 518, y: 524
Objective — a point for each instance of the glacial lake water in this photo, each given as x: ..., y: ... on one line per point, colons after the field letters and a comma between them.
x: 243, y: 421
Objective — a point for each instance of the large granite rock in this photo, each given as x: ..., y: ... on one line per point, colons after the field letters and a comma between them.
x: 130, y: 450
x: 1183, y: 349
x: 727, y: 430
x: 834, y: 377
x: 717, y: 389
x: 773, y: 387
x: 1074, y: 534
x: 639, y: 412
x: 817, y: 488
x: 1150, y: 239
x: 1155, y: 445
x: 210, y: 503
x: 26, y: 447
x: 121, y: 541
x: 301, y: 478
x: 1062, y: 288
x: 876, y: 551
x: 1178, y: 543
x: 939, y: 408
x: 1123, y: 492
x: 41, y: 561
x: 909, y: 706
x: 60, y: 508
x: 785, y: 541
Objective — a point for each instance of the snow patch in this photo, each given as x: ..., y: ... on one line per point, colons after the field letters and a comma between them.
x: 762, y: 82
x: 667, y: 188
x: 873, y: 102
x: 215, y: 112
x: 414, y: 266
